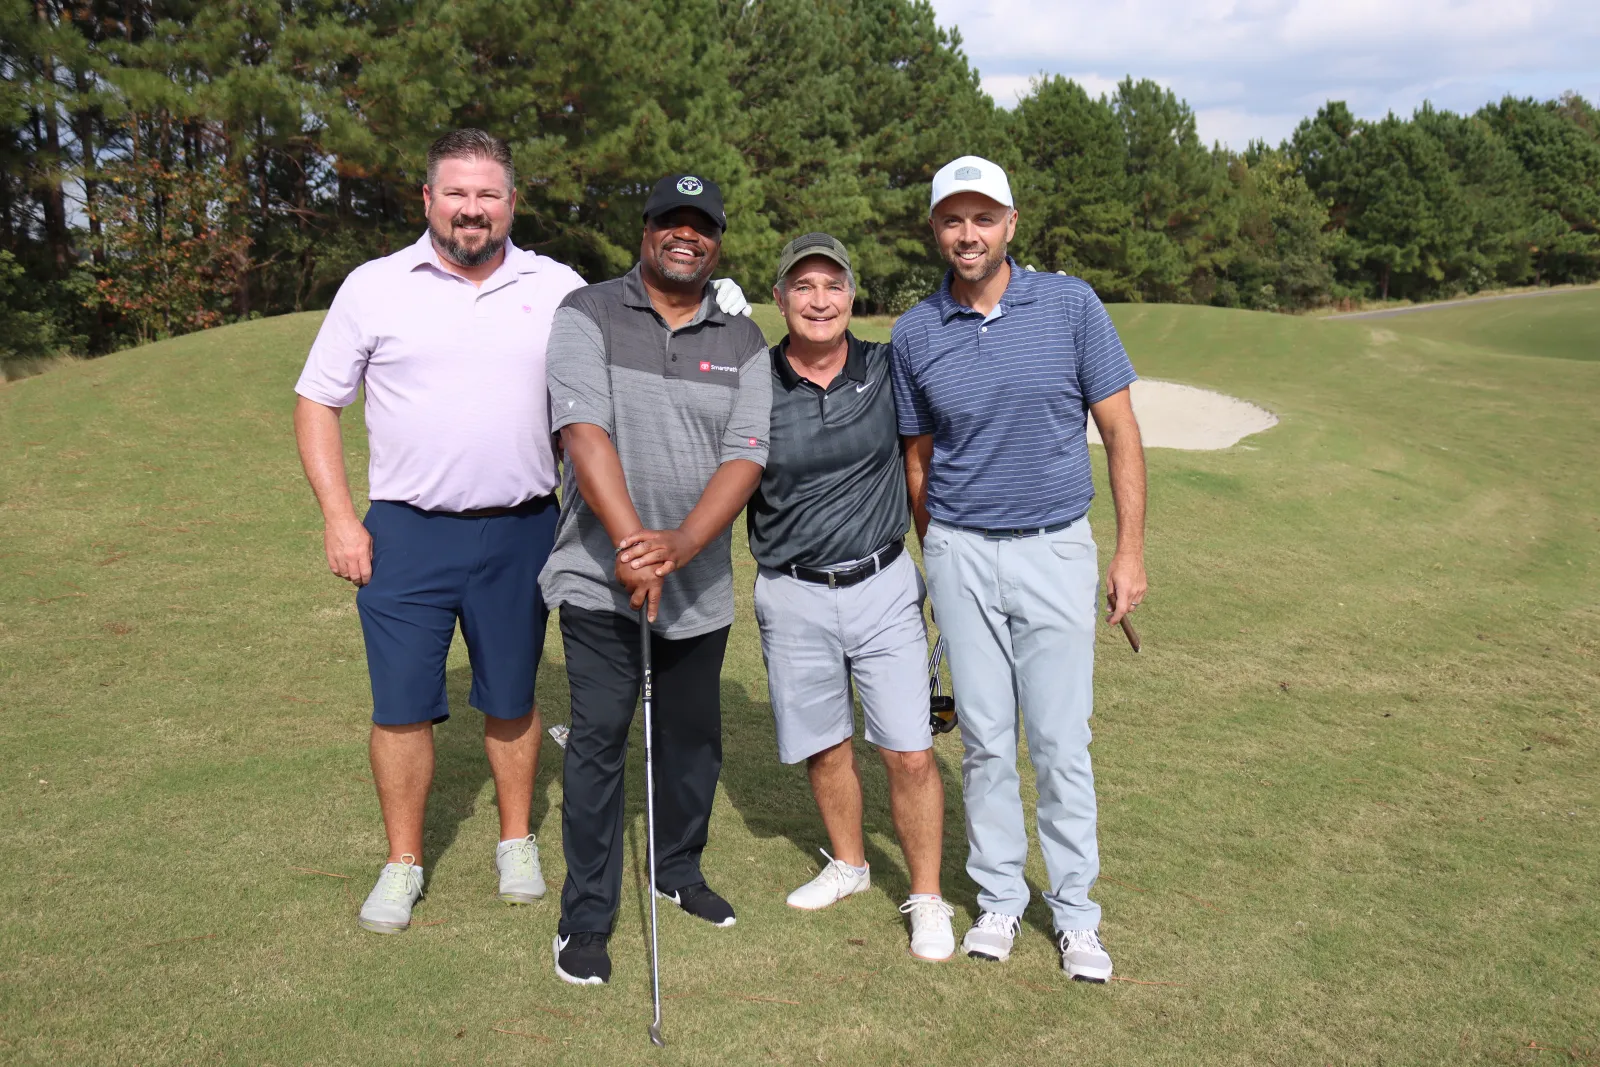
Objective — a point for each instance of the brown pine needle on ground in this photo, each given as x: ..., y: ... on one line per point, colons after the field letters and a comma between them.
x: 520, y: 1033
x: 313, y: 870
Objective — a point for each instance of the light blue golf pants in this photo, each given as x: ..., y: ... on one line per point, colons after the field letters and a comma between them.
x: 1018, y: 617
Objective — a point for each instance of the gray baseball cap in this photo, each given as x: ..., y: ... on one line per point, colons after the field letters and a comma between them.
x: 812, y: 244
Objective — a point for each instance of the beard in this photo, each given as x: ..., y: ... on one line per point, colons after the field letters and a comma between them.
x: 699, y: 272
x: 982, y: 270
x: 452, y: 249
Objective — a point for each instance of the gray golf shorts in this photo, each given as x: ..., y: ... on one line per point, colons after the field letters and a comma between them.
x: 817, y: 641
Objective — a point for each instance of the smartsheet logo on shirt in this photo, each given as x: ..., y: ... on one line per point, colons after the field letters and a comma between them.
x: 706, y: 367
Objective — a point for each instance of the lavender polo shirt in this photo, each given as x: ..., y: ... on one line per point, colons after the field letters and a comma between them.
x: 458, y: 415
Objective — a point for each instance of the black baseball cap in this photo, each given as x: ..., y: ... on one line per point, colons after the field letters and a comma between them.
x: 686, y: 190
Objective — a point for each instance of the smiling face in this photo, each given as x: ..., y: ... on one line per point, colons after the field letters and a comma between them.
x: 469, y: 206
x: 815, y: 299
x: 681, y: 247
x: 973, y: 232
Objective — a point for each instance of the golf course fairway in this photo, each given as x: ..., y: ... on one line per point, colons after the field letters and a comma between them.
x: 1348, y: 791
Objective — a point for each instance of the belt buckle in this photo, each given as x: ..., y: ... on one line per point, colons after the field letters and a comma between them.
x: 833, y: 580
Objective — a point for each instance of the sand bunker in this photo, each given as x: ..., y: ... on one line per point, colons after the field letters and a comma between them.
x: 1181, y: 416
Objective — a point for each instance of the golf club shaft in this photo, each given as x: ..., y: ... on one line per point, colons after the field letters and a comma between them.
x: 647, y: 700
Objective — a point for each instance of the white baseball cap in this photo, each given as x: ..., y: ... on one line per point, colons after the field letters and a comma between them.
x: 971, y: 174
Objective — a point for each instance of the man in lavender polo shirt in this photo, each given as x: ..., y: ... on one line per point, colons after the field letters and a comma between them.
x: 448, y: 336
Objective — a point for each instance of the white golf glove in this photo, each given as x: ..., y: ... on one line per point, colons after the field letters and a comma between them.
x: 729, y: 297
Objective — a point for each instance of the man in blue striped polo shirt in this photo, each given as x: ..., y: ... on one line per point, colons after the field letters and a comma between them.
x: 995, y: 375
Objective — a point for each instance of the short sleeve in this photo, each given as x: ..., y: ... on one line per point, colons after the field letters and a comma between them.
x: 1103, y: 365
x: 750, y: 423
x: 578, y: 375
x: 911, y: 408
x: 337, y: 362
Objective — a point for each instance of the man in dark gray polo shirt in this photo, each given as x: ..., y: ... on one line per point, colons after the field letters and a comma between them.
x: 837, y: 598
x: 662, y: 402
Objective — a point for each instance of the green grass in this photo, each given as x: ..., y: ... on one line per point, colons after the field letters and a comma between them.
x: 1563, y: 324
x: 1348, y: 791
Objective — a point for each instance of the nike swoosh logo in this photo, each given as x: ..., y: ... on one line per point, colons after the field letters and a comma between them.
x: 862, y: 386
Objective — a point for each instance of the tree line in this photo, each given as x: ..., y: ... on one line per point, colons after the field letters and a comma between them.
x: 168, y: 165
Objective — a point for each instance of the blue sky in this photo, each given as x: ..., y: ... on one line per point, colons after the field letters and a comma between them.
x: 1254, y: 68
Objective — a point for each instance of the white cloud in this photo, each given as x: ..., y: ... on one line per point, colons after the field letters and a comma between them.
x: 1254, y: 68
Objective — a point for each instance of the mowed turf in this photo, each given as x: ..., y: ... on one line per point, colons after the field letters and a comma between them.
x: 1348, y: 792
x: 1562, y: 323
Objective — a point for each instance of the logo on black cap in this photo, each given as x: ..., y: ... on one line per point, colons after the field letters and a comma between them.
x: 689, y: 185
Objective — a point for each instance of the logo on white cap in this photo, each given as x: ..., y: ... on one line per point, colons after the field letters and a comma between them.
x: 971, y: 174
x: 690, y: 186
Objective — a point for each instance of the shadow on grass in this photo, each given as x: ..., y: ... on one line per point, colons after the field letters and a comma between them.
x: 461, y: 769
x: 775, y: 800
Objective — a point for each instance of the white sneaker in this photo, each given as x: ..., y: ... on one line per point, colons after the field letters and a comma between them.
x: 991, y: 936
x: 521, y: 881
x: 1083, y: 957
x: 931, y: 936
x: 388, y: 906
x: 837, y: 881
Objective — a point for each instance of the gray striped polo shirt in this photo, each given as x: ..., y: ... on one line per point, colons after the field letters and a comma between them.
x: 677, y: 404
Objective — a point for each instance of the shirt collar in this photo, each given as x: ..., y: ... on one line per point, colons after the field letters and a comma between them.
x: 855, y: 361
x: 518, y: 260
x: 635, y: 295
x: 1019, y: 290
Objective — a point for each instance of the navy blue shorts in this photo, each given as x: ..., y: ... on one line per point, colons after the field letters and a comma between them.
x: 430, y: 570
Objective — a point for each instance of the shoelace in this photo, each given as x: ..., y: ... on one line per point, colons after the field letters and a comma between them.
x: 1080, y: 941
x: 1000, y: 924
x: 397, y: 883
x: 834, y: 873
x: 927, y: 909
x: 522, y: 854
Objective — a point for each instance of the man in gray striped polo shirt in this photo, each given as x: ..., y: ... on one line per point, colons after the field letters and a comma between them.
x: 663, y: 402
x: 837, y: 598
x: 995, y: 375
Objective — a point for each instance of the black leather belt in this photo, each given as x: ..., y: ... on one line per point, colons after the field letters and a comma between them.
x: 839, y: 579
x: 1010, y: 534
x: 527, y: 507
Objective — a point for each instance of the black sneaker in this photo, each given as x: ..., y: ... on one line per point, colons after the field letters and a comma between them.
x: 700, y: 901
x: 581, y: 958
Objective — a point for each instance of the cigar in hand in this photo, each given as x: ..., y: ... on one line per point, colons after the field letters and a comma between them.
x: 1132, y: 634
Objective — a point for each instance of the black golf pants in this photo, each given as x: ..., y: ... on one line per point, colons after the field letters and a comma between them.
x: 603, y: 673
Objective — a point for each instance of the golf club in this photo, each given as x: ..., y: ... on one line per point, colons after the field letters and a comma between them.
x: 647, y: 700
x: 941, y: 708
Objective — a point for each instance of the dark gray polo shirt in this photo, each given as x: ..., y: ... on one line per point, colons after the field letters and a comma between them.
x: 677, y: 404
x: 834, y: 489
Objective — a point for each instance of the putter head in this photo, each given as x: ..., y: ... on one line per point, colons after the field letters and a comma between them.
x: 942, y: 714
x: 655, y: 1036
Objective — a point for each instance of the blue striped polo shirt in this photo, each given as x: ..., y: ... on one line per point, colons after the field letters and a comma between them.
x: 1007, y: 398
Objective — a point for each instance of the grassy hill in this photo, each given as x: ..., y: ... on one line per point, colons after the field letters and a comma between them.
x: 1348, y: 792
x: 1564, y: 324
